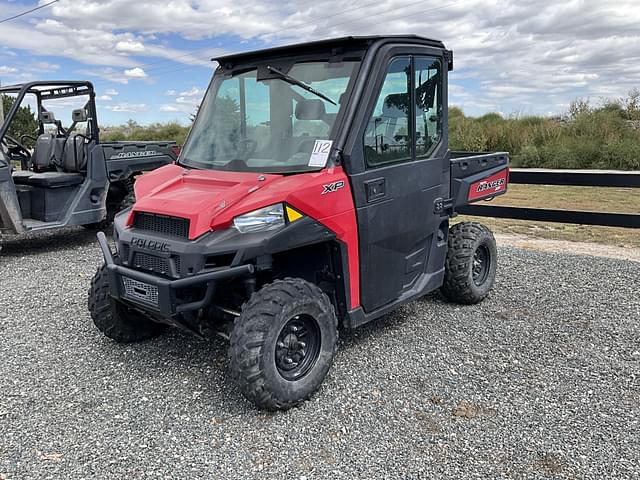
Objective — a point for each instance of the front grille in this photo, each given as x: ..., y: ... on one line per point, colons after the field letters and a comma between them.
x: 143, y: 292
x: 124, y: 252
x: 163, y: 224
x: 145, y: 261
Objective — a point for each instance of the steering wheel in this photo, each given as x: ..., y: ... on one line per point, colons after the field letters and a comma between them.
x: 28, y: 137
x: 18, y: 149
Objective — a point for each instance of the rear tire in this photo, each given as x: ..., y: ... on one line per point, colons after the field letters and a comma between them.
x: 472, y: 259
x: 282, y: 345
x: 113, y: 318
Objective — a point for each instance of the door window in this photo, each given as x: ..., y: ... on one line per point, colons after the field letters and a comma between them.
x: 428, y: 75
x: 387, y: 138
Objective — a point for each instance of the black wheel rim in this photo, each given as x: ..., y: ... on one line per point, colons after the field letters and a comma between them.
x: 298, y: 347
x: 481, y: 263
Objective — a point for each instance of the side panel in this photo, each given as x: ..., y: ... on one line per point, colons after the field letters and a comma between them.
x: 126, y: 158
x: 478, y: 176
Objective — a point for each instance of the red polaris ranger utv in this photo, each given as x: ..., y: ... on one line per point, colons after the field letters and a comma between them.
x: 314, y: 190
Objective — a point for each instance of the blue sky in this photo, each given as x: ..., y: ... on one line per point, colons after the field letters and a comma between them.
x: 149, y: 60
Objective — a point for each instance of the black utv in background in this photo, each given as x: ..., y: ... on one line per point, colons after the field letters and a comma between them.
x: 69, y: 177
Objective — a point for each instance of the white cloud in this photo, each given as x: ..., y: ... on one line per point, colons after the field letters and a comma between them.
x: 193, y: 92
x: 129, y: 46
x: 185, y: 102
x: 106, y: 73
x: 128, y: 107
x: 4, y: 70
x: 135, y: 72
x: 111, y: 92
x: 105, y: 98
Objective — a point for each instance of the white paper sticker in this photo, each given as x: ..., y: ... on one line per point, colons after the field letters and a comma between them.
x: 320, y: 153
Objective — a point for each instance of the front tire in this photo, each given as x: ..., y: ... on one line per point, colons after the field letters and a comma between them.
x: 472, y: 260
x: 113, y: 318
x: 283, y: 344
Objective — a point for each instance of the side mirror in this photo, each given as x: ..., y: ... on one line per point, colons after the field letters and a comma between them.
x: 79, y: 115
x: 47, y: 117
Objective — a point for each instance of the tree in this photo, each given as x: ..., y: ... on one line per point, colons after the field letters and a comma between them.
x: 23, y: 123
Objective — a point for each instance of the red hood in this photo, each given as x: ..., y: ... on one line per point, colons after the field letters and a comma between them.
x: 202, y: 196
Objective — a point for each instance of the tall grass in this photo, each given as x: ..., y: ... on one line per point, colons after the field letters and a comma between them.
x: 606, y: 137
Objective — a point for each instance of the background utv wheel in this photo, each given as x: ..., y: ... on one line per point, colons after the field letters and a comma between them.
x: 470, y: 268
x: 283, y: 344
x: 115, y: 319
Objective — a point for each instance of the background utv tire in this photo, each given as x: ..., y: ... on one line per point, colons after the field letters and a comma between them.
x: 470, y: 268
x: 113, y: 318
x: 283, y: 344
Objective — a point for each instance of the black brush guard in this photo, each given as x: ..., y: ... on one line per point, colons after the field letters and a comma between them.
x: 161, y: 289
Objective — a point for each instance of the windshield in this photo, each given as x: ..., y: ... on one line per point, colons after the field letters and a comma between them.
x: 268, y: 120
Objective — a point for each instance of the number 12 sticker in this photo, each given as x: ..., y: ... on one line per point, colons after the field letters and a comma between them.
x: 320, y: 153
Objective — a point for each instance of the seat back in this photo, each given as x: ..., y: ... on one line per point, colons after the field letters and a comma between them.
x: 74, y: 158
x: 41, y: 157
x: 48, y: 153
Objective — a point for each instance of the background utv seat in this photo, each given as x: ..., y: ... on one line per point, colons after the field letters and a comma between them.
x: 55, y: 179
x: 68, y: 154
x: 21, y: 177
x: 47, y: 153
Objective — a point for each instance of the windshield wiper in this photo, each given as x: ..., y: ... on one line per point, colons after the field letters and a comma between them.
x: 299, y: 83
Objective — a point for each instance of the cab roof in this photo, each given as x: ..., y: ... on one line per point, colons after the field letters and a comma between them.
x: 362, y: 42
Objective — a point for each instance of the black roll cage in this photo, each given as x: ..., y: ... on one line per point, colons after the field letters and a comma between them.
x: 51, y: 90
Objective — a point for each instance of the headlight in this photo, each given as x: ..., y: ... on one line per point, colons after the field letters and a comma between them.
x: 261, y: 220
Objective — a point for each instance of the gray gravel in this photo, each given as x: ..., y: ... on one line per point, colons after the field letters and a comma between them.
x: 542, y: 380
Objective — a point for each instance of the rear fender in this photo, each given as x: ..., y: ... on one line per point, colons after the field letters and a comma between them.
x: 477, y: 177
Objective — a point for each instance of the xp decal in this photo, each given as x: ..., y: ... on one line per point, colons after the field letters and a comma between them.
x: 332, y: 187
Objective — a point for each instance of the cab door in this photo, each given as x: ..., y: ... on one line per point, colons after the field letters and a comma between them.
x: 403, y: 154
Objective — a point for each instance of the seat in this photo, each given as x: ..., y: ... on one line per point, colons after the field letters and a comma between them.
x: 74, y: 158
x: 47, y: 152
x: 21, y: 177
x: 310, y: 109
x: 56, y: 179
x: 68, y: 153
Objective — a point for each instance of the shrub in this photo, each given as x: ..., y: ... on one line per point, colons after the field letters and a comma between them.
x: 588, y: 137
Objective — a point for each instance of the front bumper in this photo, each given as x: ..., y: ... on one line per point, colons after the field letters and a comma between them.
x: 157, y: 295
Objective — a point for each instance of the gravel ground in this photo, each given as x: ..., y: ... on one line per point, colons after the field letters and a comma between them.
x: 542, y: 380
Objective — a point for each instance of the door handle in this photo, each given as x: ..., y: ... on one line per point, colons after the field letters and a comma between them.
x: 376, y: 189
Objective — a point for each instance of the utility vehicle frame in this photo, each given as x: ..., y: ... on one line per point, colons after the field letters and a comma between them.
x: 314, y: 190
x: 69, y: 177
